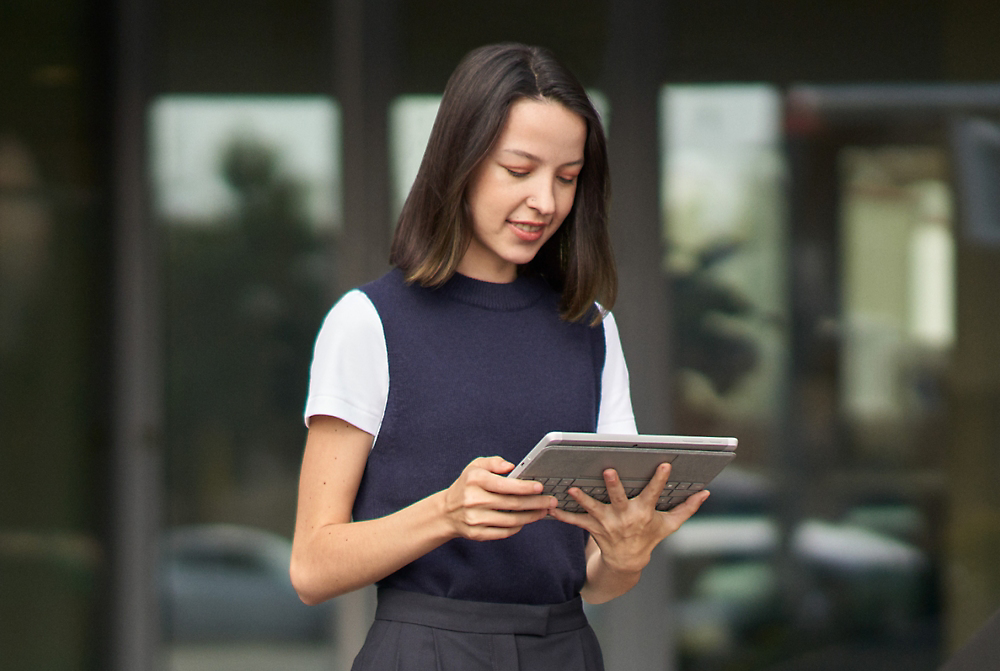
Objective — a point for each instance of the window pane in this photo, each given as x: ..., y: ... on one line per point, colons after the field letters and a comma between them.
x: 725, y: 229
x: 246, y: 191
x: 824, y: 549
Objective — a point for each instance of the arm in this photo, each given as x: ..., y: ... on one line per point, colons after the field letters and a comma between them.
x: 332, y: 555
x: 624, y: 532
x: 604, y: 583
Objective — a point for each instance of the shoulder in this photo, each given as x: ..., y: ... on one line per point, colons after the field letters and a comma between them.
x: 349, y: 375
x: 354, y: 312
x: 391, y: 284
x: 609, y: 325
x: 352, y: 327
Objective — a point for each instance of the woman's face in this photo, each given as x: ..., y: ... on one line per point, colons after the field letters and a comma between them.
x: 522, y: 191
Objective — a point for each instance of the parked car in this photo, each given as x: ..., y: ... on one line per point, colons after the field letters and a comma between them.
x: 741, y: 576
x: 230, y: 583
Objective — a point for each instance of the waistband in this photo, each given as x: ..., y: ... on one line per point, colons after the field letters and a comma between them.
x: 479, y: 617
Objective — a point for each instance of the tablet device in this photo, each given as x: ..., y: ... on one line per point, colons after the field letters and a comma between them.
x: 563, y: 460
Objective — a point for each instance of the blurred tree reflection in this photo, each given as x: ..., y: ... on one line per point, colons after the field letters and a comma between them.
x: 245, y: 299
x: 703, y: 306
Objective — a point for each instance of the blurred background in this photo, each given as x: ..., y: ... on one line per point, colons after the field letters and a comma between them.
x: 806, y: 217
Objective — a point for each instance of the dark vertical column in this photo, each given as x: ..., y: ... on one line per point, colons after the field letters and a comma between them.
x: 365, y: 56
x: 637, y: 627
x: 138, y: 402
x: 365, y: 59
x: 632, y: 82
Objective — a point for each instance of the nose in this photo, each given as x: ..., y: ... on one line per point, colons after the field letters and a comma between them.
x: 542, y: 199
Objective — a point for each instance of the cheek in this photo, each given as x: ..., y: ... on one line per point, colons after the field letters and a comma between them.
x: 566, y: 202
x: 493, y: 196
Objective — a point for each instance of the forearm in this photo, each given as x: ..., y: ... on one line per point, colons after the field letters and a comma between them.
x: 337, y: 558
x: 605, y: 583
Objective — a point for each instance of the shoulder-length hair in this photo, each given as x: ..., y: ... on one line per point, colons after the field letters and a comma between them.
x: 435, y: 227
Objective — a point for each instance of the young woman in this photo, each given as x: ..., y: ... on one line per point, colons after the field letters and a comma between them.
x: 429, y: 384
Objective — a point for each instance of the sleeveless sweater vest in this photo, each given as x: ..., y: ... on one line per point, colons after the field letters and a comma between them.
x: 479, y: 369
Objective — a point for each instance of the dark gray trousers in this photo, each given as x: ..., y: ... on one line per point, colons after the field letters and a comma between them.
x: 418, y: 632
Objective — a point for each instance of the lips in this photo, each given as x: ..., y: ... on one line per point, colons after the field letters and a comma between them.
x: 528, y: 231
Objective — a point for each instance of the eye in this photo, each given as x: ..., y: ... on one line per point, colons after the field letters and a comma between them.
x: 568, y: 180
x: 517, y: 173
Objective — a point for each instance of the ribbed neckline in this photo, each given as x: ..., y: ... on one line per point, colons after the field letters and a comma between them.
x: 523, y: 292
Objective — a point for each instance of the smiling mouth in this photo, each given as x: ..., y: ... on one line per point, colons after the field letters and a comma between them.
x: 527, y: 227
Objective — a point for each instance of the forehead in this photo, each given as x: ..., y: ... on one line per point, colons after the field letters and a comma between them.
x: 535, y: 126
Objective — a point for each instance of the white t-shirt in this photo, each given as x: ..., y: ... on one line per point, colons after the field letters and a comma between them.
x: 349, y: 377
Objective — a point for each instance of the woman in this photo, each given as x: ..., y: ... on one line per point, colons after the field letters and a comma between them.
x: 488, y: 334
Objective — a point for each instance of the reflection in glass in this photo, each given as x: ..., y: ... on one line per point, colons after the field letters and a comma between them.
x: 189, y: 134
x: 849, y: 576
x: 411, y: 118
x: 724, y: 227
x: 245, y: 189
x: 898, y: 294
x: 53, y: 375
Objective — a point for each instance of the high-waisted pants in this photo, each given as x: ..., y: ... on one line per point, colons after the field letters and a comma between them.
x: 418, y: 632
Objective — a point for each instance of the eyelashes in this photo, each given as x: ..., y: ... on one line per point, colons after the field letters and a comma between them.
x: 564, y: 180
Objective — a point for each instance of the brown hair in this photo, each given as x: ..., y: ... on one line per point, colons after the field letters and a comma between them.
x: 435, y: 228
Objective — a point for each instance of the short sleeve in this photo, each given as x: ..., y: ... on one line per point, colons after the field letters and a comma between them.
x: 349, y: 375
x: 615, y: 413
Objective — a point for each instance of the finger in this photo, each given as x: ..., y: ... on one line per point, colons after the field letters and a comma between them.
x: 484, y: 517
x: 590, y: 505
x: 494, y: 464
x: 499, y: 484
x: 616, y: 490
x: 654, y: 488
x: 491, y: 533
x: 485, y: 533
x: 509, y: 502
x: 682, y: 512
x: 582, y: 520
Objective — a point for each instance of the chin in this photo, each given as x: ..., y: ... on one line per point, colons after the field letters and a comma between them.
x: 522, y: 259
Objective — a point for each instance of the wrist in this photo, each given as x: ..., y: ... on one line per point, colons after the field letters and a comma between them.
x: 445, y: 521
x: 622, y: 567
x: 623, y: 570
x: 606, y: 581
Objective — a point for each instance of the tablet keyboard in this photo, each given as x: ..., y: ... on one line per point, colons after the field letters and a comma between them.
x: 673, y: 493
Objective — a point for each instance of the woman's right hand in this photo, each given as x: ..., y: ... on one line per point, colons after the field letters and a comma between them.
x: 484, y: 505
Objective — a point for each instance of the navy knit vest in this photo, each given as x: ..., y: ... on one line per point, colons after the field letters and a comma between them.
x: 479, y: 369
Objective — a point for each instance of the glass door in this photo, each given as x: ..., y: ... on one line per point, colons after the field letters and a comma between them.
x: 832, y: 309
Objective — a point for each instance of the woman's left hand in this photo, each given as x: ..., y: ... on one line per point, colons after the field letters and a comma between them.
x: 627, y: 530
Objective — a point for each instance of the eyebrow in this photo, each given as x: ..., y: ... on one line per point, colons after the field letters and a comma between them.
x: 532, y: 157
